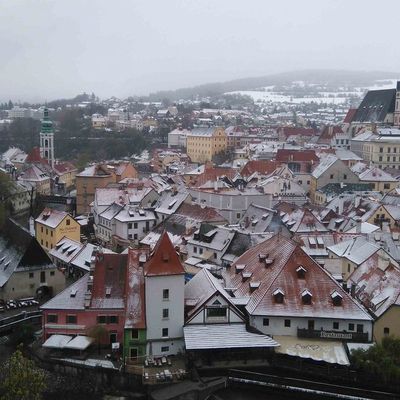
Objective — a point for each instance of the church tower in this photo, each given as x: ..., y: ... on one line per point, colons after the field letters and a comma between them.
x: 47, y: 139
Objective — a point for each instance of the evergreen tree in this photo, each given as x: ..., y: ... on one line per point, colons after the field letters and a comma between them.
x: 21, y: 379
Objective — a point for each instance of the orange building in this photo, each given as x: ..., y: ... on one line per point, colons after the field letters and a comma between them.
x: 99, y: 176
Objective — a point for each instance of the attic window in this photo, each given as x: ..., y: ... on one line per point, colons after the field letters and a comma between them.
x: 265, y: 216
x: 108, y: 292
x: 7, y: 264
x: 254, y: 222
x: 336, y: 299
x: 216, y: 303
x: 170, y: 205
x: 262, y: 256
x: 240, y: 267
x: 254, y: 286
x: 73, y: 293
x: 306, y: 297
x: 131, y: 213
x: 246, y: 275
x: 142, y: 213
x: 301, y: 272
x: 279, y: 296
x: 2, y: 259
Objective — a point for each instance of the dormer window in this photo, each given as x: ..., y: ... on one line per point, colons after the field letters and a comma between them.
x: 306, y: 297
x: 279, y: 296
x: 336, y: 299
x: 301, y: 272
x: 240, y: 267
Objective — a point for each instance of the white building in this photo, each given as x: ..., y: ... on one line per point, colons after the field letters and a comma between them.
x: 165, y: 286
x: 177, y: 137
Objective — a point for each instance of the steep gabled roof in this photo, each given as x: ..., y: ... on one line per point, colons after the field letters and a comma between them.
x: 135, y: 316
x: 350, y: 115
x: 109, y: 281
x: 164, y: 260
x: 263, y: 167
x: 375, y: 106
x: 274, y: 264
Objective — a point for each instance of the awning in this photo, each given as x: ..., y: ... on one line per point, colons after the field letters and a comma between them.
x: 319, y: 350
x: 79, y: 343
x: 57, y: 341
x: 223, y: 336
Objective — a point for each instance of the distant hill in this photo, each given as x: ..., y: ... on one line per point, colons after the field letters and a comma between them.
x: 329, y: 77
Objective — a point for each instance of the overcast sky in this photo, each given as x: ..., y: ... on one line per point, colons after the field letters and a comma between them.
x: 54, y: 49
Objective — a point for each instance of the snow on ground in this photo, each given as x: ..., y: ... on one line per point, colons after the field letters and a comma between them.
x: 267, y: 94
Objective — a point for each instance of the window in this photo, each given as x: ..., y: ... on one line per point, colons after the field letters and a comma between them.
x: 52, y: 273
x: 306, y: 298
x: 135, y: 334
x: 344, y: 176
x: 195, y: 249
x: 164, y: 349
x: 41, y: 242
x: 265, y: 321
x: 311, y: 324
x: 238, y: 215
x: 42, y: 276
x: 380, y: 158
x: 51, y: 233
x: 215, y: 256
x: 388, y: 150
x: 47, y: 243
x: 135, y: 225
x: 287, y: 323
x: 165, y: 313
x: 348, y: 267
x: 386, y: 331
x: 331, y: 176
x: 71, y: 319
x: 336, y: 325
x: 31, y: 275
x: 165, y: 294
x: 386, y: 185
x: 380, y: 149
x: 130, y: 225
x: 113, y: 319
x: 360, y: 328
x: 164, y: 332
x: 135, y: 236
x: 101, y: 319
x: 351, y: 327
x: 68, y: 222
x: 52, y: 318
x: 200, y: 250
x: 216, y: 312
x: 41, y: 229
x: 47, y: 231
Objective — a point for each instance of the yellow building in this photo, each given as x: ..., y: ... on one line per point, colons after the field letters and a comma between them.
x: 52, y: 225
x: 202, y: 144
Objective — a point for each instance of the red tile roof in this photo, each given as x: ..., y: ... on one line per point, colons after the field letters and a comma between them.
x: 164, y: 260
x: 135, y: 316
x: 212, y: 174
x: 284, y: 257
x: 35, y: 157
x: 109, y: 274
x: 350, y: 115
x: 263, y: 167
x: 64, y: 167
x: 285, y: 155
x: 199, y: 213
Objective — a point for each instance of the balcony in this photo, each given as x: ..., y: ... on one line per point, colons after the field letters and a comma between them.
x: 332, y: 335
